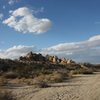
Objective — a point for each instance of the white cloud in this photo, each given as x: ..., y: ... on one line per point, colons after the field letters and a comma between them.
x: 16, y: 51
x: 86, y: 51
x: 23, y: 20
x: 83, y: 51
x: 39, y: 10
x: 95, y: 38
x: 1, y: 16
x: 11, y: 2
x: 4, y: 7
x: 76, y: 46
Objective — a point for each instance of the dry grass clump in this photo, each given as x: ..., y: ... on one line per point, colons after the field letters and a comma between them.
x: 40, y: 82
x: 37, y: 82
x: 82, y: 71
x: 25, y: 81
x: 75, y: 72
x: 54, y: 77
x: 43, y: 80
x: 5, y: 95
x: 87, y: 71
x: 57, y: 77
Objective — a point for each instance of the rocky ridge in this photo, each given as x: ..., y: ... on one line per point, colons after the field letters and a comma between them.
x: 33, y: 57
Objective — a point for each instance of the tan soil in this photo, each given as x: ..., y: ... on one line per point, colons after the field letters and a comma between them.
x: 83, y: 87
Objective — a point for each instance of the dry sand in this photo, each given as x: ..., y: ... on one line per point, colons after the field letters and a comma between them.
x: 83, y: 87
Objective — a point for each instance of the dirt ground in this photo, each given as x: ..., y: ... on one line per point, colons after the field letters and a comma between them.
x: 82, y: 87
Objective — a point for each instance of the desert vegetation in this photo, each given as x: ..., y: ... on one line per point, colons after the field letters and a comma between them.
x: 35, y: 69
x: 39, y: 71
x: 6, y: 95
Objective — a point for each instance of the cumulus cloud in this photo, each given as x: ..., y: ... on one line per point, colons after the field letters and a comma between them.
x: 23, y: 20
x: 16, y: 51
x: 87, y: 50
x: 1, y: 16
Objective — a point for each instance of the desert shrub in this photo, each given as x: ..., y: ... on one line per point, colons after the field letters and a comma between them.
x: 26, y: 81
x: 57, y: 77
x: 10, y: 75
x: 29, y: 82
x: 75, y: 72
x: 87, y: 71
x: 44, y: 71
x: 82, y: 71
x: 70, y: 74
x: 3, y: 81
x: 40, y: 82
x: 5, y: 95
x: 89, y: 65
x: 21, y: 80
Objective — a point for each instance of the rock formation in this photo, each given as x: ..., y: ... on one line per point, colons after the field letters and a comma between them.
x: 31, y: 57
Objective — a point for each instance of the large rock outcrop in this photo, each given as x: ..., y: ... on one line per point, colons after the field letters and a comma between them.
x: 48, y: 58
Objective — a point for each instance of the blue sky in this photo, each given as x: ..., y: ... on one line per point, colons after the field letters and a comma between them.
x: 57, y: 27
